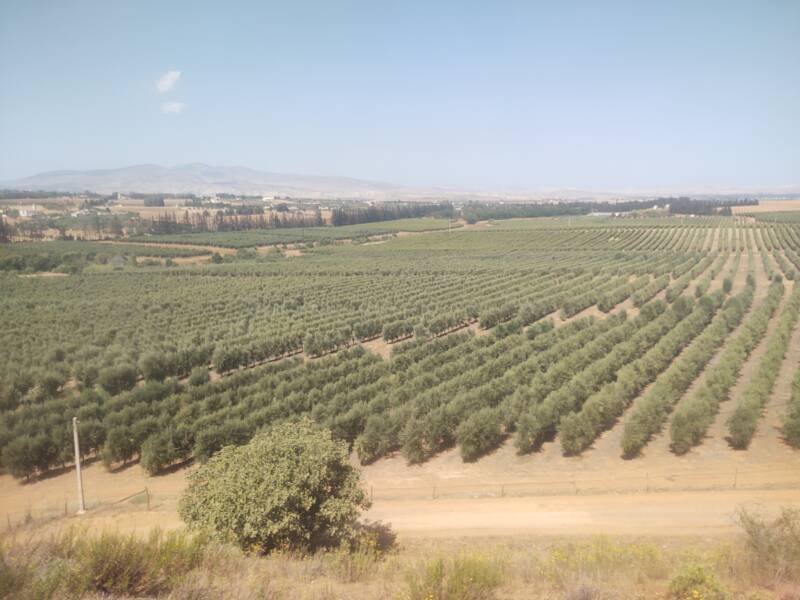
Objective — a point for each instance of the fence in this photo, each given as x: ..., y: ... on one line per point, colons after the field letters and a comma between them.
x: 588, y: 484
x: 577, y: 484
x: 52, y: 509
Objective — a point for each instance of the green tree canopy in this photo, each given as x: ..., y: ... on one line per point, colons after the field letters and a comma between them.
x: 291, y: 487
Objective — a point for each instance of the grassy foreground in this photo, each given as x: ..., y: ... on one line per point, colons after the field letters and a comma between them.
x: 763, y: 562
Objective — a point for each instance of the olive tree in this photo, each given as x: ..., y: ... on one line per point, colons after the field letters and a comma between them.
x: 290, y: 487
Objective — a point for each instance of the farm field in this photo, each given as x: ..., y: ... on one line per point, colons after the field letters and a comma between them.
x: 299, y: 235
x: 768, y: 206
x: 501, y: 367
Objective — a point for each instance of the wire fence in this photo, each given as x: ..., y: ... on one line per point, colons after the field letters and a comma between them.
x: 51, y: 509
x: 569, y: 484
x: 584, y: 484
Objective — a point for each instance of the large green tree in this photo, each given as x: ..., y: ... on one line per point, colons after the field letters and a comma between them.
x: 291, y: 487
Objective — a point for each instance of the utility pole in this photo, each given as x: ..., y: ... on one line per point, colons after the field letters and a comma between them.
x: 81, y: 505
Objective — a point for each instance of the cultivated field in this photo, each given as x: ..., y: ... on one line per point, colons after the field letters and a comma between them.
x: 543, y: 376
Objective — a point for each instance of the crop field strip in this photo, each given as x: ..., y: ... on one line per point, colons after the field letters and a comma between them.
x: 600, y: 412
x: 583, y: 322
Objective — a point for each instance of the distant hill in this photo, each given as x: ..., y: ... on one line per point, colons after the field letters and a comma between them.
x: 200, y: 179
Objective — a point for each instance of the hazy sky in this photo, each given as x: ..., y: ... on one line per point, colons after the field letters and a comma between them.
x: 595, y: 94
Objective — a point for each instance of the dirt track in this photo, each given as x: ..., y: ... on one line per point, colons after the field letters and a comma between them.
x: 677, y: 513
x: 709, y: 512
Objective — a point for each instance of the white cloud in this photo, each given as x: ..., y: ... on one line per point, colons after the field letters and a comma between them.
x: 167, y: 81
x: 173, y: 108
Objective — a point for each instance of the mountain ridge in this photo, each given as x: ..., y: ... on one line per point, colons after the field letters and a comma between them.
x: 197, y: 178
x: 204, y: 179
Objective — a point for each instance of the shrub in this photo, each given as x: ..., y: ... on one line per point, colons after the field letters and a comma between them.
x: 695, y: 582
x: 464, y: 577
x: 291, y: 487
x: 75, y: 564
x: 773, y: 547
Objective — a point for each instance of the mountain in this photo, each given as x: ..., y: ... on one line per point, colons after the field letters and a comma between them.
x: 200, y: 179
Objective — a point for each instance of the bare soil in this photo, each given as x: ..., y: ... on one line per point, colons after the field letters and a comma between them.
x: 211, y: 249
x: 44, y: 274
x: 768, y: 206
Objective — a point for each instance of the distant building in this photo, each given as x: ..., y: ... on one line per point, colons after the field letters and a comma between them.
x: 29, y: 212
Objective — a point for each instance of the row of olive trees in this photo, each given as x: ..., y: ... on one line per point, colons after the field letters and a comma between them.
x: 396, y: 415
x: 652, y: 410
x: 649, y: 292
x: 539, y: 423
x: 446, y: 418
x: 576, y: 303
x: 608, y: 300
x: 702, y: 287
x: 232, y: 410
x: 742, y: 423
x: 678, y: 286
x: 429, y: 423
x: 791, y: 425
x: 578, y: 430
x: 696, y: 413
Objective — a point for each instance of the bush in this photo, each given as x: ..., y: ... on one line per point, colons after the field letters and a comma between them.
x: 463, y: 577
x: 773, y: 547
x: 291, y: 487
x: 74, y: 565
x: 695, y: 582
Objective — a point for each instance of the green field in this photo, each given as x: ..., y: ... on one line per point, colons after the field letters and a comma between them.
x: 264, y: 237
x: 778, y: 216
x: 576, y: 322
x: 73, y: 255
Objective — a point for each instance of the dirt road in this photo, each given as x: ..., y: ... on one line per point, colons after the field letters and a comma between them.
x: 678, y: 513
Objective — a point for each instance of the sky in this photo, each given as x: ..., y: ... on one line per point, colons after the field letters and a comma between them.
x: 485, y: 95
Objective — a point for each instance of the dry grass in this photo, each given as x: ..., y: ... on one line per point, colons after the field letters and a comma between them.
x: 762, y: 562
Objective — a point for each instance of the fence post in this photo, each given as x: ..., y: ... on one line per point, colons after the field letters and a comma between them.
x: 502, y: 491
x: 370, y: 493
x: 647, y: 478
x: 434, y: 492
x: 735, y: 478
x: 147, y: 492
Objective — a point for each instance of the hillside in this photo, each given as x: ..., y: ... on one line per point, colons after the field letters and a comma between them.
x: 198, y: 178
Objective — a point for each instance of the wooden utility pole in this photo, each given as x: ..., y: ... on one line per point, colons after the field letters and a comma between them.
x: 81, y: 505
